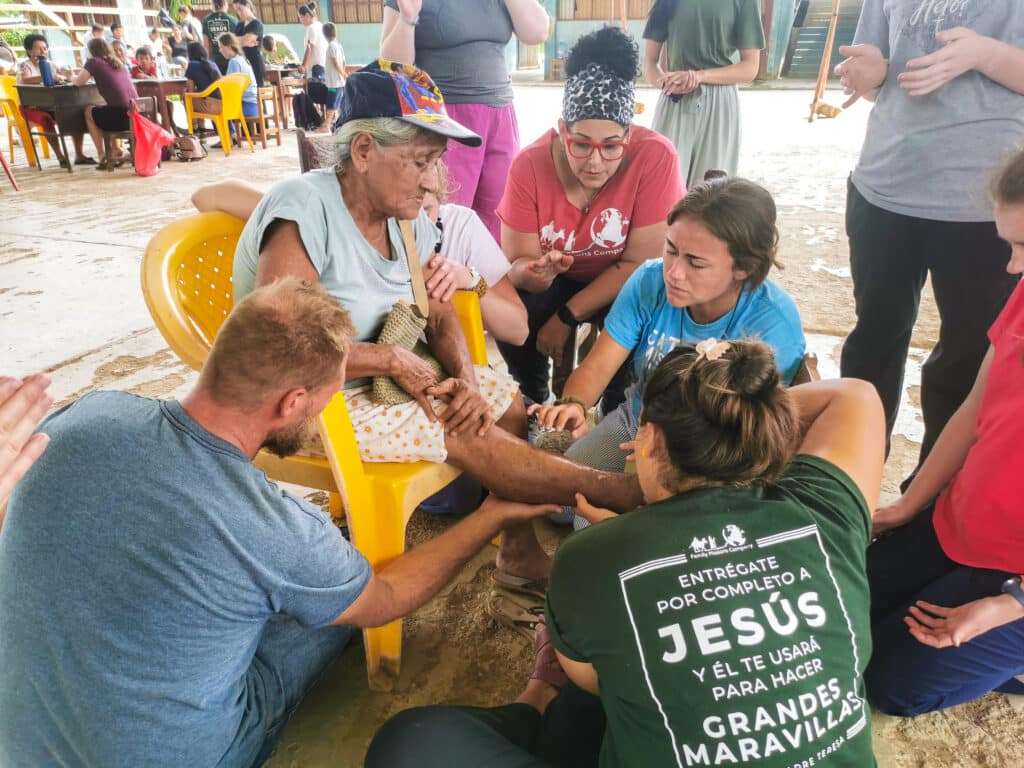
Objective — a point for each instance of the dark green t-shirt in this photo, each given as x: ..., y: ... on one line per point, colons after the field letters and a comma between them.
x: 726, y: 626
x: 214, y: 25
x: 704, y: 34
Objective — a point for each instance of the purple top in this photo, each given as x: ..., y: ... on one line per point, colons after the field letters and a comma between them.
x: 115, y: 85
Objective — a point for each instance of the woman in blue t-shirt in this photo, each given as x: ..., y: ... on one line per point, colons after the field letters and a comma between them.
x: 720, y: 245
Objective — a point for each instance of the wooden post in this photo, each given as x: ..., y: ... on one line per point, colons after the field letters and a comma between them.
x: 826, y: 61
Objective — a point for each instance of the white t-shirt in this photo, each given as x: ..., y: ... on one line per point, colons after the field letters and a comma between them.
x: 465, y: 240
x: 315, y: 38
x: 335, y: 52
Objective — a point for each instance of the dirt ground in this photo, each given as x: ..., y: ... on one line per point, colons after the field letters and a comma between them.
x: 70, y: 248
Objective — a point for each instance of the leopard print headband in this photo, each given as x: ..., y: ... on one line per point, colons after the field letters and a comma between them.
x: 596, y: 94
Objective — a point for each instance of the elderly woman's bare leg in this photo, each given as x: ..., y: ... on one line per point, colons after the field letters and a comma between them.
x: 512, y: 468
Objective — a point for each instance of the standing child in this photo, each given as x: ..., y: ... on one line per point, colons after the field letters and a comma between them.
x: 335, y: 65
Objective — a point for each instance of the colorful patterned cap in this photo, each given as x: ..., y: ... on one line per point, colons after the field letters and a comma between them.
x: 388, y: 89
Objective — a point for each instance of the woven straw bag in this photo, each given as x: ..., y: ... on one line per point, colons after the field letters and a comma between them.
x: 404, y: 326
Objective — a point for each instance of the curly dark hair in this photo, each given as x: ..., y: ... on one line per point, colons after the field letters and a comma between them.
x: 610, y: 48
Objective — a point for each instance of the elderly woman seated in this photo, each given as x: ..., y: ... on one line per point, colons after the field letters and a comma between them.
x: 340, y: 226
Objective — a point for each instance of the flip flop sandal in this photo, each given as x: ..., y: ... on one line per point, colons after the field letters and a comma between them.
x: 102, y: 165
x: 506, y: 611
x: 537, y: 588
x: 545, y: 663
x: 85, y: 161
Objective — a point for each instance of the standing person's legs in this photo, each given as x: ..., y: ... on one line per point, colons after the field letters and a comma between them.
x: 907, y: 678
x: 465, y: 164
x: 289, y: 659
x: 968, y: 269
x: 888, y: 274
x: 716, y: 141
x: 502, y: 147
x: 526, y: 365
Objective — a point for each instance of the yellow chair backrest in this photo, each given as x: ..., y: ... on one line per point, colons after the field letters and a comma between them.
x: 232, y: 87
x: 9, y: 90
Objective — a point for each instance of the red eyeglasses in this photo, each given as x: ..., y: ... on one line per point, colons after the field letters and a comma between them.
x: 581, y: 149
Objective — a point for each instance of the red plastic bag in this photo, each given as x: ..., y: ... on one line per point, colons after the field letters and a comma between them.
x: 150, y: 139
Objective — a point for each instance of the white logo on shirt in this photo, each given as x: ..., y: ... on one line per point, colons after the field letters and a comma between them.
x: 550, y: 237
x: 733, y: 539
x: 609, y: 228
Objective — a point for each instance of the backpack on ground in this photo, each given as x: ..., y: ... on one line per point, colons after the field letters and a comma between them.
x: 188, y: 148
x: 305, y: 113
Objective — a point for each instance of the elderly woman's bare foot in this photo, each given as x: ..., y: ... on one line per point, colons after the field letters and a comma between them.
x: 520, y: 554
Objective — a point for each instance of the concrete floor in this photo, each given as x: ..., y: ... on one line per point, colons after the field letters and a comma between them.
x: 70, y: 304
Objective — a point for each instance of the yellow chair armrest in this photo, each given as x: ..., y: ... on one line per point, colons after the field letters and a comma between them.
x: 203, y: 94
x: 467, y: 308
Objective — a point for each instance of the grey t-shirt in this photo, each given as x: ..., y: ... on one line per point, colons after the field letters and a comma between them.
x: 141, y: 558
x: 932, y: 156
x: 350, y: 269
x: 461, y: 45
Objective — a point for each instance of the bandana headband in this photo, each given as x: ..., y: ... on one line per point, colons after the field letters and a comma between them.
x: 595, y: 93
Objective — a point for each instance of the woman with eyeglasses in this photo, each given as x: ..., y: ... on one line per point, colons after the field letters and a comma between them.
x: 584, y: 206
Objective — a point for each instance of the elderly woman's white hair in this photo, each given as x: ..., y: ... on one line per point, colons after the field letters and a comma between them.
x: 385, y: 131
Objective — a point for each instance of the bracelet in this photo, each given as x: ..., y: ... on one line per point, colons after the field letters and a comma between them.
x: 570, y: 399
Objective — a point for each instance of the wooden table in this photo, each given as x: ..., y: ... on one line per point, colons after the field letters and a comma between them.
x: 67, y: 104
x: 284, y: 78
x: 161, y: 89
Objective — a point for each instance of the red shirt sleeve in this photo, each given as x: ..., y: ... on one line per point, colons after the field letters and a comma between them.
x: 1009, y: 316
x: 660, y: 182
x: 519, y: 208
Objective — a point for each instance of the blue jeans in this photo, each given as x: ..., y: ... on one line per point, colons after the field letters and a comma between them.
x: 908, y: 678
x: 289, y: 659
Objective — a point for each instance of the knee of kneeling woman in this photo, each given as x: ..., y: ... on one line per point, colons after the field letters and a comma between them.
x: 892, y: 697
x: 405, y: 738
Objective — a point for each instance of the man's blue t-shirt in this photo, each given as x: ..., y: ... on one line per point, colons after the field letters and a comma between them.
x: 642, y: 320
x: 139, y: 562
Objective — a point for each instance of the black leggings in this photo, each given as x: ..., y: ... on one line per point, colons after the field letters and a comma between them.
x: 567, y: 735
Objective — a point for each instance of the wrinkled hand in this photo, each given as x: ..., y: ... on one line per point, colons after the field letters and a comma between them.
x: 963, y: 50
x: 891, y: 516
x: 445, y: 277
x: 589, y: 512
x: 681, y: 82
x: 566, y: 416
x: 863, y: 70
x: 22, y: 406
x: 466, y: 406
x: 410, y: 8
x: 514, y: 511
x: 415, y: 376
x: 944, y: 627
x: 549, y: 266
x: 552, y: 337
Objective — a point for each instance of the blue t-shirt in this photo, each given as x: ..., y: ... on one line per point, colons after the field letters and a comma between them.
x: 198, y: 74
x: 139, y: 562
x: 239, y: 64
x: 642, y: 320
x: 350, y: 269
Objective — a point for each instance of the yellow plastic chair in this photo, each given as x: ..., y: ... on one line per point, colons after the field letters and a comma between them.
x: 231, y: 88
x: 10, y: 107
x: 186, y: 281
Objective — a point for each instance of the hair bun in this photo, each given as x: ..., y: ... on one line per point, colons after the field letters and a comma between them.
x: 752, y: 369
x: 609, y: 48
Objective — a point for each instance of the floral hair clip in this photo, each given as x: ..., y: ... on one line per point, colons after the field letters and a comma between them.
x: 712, y: 349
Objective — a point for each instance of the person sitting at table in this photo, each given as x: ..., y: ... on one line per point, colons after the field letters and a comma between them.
x: 711, y: 281
x: 177, y: 46
x: 275, y: 55
x: 250, y: 35
x: 145, y: 69
x: 726, y: 622
x: 231, y: 50
x: 584, y: 206
x: 201, y: 73
x: 121, y: 51
x: 339, y: 226
x: 28, y: 74
x: 117, y: 89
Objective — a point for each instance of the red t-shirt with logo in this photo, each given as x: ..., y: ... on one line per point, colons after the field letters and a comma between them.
x: 642, y: 192
x: 979, y: 518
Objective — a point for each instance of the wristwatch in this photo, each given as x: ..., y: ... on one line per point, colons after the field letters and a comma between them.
x: 479, y: 285
x: 411, y: 22
x: 1012, y: 587
x: 566, y: 316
